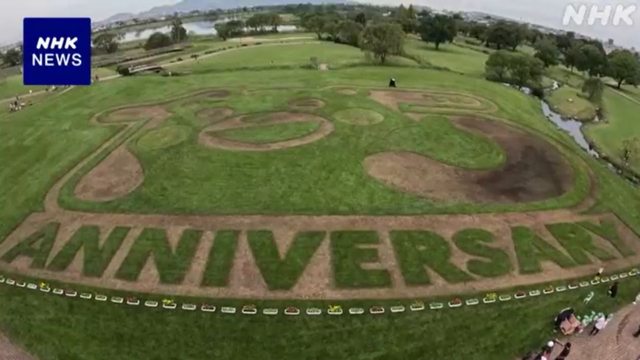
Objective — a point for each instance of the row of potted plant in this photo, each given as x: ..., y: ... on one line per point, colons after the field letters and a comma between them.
x: 331, y: 310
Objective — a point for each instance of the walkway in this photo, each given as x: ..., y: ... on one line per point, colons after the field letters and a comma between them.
x: 8, y: 351
x: 615, y: 342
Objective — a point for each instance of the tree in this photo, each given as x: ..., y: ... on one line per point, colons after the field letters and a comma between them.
x: 349, y: 32
x: 438, y: 29
x: 630, y: 150
x: 274, y: 21
x: 178, y: 32
x: 525, y: 69
x: 382, y: 40
x: 478, y: 31
x: 12, y: 57
x: 107, y: 42
x: 497, y: 66
x: 222, y: 30
x: 593, y: 87
x: 592, y: 60
x: 314, y: 23
x: 623, y: 65
x: 573, y: 56
x: 407, y: 18
x: 157, y: 40
x: 499, y: 35
x: 361, y: 19
x: 519, y: 33
x: 547, y: 52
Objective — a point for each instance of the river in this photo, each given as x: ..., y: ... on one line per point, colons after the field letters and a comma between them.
x: 197, y: 27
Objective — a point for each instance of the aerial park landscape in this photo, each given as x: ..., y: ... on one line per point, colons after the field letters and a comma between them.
x: 266, y: 195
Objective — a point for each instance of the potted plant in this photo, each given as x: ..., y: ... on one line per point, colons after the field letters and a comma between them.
x: 520, y: 294
x: 417, y: 305
x: 548, y: 290
x: 455, y: 302
x: 249, y: 309
x: 208, y: 307
x: 132, y: 300
x: 292, y: 310
x: 490, y: 298
x: 376, y: 309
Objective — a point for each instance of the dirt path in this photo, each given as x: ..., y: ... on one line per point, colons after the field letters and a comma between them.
x: 615, y: 342
x: 9, y: 351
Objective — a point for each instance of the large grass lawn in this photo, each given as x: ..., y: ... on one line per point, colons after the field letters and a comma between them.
x: 621, y: 115
x: 449, y: 56
x: 40, y: 144
x: 569, y: 102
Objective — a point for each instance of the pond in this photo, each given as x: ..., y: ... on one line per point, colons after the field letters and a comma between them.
x: 573, y: 127
x: 197, y: 27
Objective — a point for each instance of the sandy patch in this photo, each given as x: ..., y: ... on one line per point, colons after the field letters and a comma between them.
x: 116, y: 176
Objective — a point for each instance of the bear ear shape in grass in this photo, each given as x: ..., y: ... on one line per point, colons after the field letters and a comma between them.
x: 164, y: 137
x: 360, y: 117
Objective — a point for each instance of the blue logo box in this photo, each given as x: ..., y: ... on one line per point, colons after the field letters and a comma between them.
x: 57, y: 51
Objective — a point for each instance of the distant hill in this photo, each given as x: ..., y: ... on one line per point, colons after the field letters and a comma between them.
x: 203, y: 5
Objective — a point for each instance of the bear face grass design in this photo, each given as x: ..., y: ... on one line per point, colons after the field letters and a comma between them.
x: 359, y: 259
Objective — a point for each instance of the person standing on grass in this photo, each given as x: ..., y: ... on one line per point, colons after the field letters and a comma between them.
x: 565, y: 351
x: 613, y: 290
x: 601, y: 323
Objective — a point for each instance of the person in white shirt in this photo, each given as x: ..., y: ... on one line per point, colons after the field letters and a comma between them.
x: 601, y: 323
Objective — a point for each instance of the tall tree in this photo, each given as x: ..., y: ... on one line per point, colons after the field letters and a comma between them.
x: 497, y: 66
x: 499, y: 35
x: 361, y: 19
x: 623, y: 65
x: 157, y: 40
x: 382, y: 40
x: 178, y: 32
x: 478, y: 31
x: 108, y: 42
x: 274, y: 21
x: 525, y: 69
x: 593, y: 87
x: 438, y: 29
x: 12, y: 57
x: 547, y: 52
x: 349, y: 32
x: 630, y: 150
x: 572, y: 56
x: 593, y: 60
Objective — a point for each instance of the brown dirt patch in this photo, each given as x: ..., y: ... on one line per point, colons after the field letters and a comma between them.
x: 308, y: 104
x: 533, y: 170
x: 208, y: 139
x: 9, y: 351
x: 136, y: 114
x: 214, y: 114
x: 116, y: 176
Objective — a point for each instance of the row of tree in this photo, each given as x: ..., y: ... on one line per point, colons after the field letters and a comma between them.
x: 12, y: 57
x: 258, y: 23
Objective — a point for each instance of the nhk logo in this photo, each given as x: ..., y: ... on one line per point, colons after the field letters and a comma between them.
x: 57, y: 51
x: 53, y: 59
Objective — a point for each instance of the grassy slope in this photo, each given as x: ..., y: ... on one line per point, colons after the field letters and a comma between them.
x: 452, y: 57
x: 568, y: 102
x: 132, y: 333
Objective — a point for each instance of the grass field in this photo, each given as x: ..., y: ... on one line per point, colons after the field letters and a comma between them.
x: 188, y: 165
x: 569, y: 102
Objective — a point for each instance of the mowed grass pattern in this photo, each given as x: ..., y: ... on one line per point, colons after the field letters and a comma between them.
x: 269, y: 133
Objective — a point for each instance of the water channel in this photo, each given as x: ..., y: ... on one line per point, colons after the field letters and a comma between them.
x: 197, y: 27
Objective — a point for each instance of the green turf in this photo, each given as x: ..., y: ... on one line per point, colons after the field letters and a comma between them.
x: 220, y: 258
x: 40, y: 144
x: 531, y: 250
x: 578, y: 243
x: 568, y: 102
x: 282, y: 272
x: 607, y: 230
x: 269, y: 133
x: 473, y: 242
x: 348, y: 255
x: 36, y: 246
x: 172, y: 266
x: 417, y: 250
x: 358, y: 117
x: 164, y: 137
x: 96, y: 256
x: 451, y: 57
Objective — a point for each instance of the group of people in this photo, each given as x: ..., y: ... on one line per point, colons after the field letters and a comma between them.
x: 17, y: 105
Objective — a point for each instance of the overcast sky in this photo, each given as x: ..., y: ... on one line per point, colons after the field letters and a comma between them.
x: 545, y: 12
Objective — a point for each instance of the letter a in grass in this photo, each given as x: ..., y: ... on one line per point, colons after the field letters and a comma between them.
x: 96, y: 256
x: 37, y: 246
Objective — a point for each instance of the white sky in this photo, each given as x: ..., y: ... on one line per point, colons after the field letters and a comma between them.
x: 545, y: 12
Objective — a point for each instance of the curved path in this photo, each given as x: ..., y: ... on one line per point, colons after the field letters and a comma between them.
x: 9, y: 351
